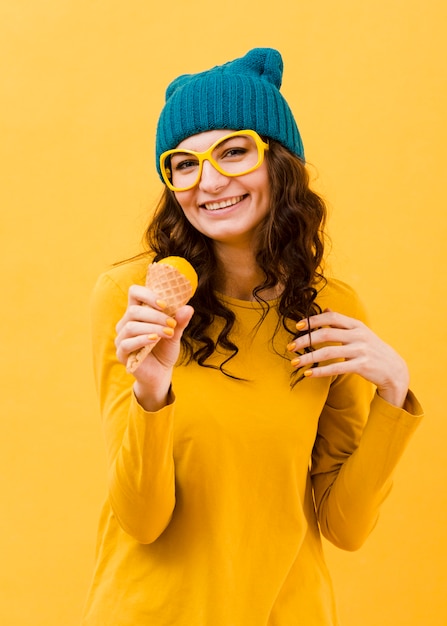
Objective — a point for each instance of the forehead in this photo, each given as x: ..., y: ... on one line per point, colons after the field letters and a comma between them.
x: 202, y: 141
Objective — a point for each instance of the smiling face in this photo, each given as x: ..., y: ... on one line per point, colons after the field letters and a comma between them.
x: 226, y: 209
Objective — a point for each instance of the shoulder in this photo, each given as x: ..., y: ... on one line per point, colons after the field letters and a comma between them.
x: 120, y: 277
x: 340, y: 297
x: 110, y: 293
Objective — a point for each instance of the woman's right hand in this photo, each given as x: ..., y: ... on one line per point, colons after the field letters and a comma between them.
x: 142, y: 324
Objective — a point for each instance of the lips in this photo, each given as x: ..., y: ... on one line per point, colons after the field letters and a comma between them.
x: 223, y: 204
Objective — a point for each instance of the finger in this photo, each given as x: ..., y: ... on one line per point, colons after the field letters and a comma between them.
x: 324, y: 355
x: 136, y: 334
x: 141, y: 312
x: 135, y: 359
x: 332, y: 369
x: 327, y: 318
x: 134, y: 344
x: 182, y: 318
x: 139, y: 294
x: 325, y: 335
x: 140, y: 320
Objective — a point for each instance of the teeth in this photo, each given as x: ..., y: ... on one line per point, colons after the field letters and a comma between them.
x: 214, y: 206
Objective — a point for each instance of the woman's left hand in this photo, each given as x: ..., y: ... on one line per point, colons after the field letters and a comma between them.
x: 342, y: 345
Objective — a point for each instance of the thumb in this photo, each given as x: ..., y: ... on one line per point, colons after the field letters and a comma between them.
x: 183, y: 317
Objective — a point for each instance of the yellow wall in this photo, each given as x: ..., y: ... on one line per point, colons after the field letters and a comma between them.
x: 82, y: 83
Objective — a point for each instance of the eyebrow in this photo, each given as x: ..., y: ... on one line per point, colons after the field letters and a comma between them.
x: 183, y: 151
x: 222, y: 141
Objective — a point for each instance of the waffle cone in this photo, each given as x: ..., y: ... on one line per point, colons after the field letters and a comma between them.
x: 170, y: 285
x: 174, y: 281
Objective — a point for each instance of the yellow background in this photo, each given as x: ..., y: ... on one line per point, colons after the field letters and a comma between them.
x: 82, y: 83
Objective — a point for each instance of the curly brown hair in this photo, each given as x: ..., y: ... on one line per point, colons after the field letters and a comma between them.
x: 289, y: 252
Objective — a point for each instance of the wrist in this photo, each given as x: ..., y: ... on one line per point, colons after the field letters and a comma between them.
x: 396, y: 397
x: 396, y: 390
x: 153, y: 399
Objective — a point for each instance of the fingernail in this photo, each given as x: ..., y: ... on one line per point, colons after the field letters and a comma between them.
x: 161, y: 303
x: 152, y: 337
x: 308, y: 373
x: 291, y: 346
x: 168, y: 331
x: 295, y: 362
x: 301, y: 325
x: 171, y: 322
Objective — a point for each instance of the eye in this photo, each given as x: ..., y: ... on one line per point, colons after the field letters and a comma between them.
x: 186, y: 164
x: 233, y: 149
x: 183, y: 162
x: 234, y: 152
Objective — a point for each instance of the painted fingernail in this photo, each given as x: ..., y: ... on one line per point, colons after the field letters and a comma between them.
x: 152, y: 337
x: 171, y: 322
x: 168, y: 331
x: 291, y: 346
x: 301, y: 325
x: 295, y: 362
x: 161, y: 303
x: 308, y: 373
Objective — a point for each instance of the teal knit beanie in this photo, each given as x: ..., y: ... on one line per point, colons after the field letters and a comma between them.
x: 241, y: 94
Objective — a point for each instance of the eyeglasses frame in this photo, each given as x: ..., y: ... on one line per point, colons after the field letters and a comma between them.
x: 207, y: 156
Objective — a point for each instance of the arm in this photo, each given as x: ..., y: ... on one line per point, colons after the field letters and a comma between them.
x: 137, y: 413
x: 353, y: 464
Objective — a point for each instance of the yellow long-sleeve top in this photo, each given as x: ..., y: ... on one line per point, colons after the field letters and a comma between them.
x: 216, y: 502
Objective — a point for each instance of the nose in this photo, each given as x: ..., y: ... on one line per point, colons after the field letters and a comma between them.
x: 211, y: 180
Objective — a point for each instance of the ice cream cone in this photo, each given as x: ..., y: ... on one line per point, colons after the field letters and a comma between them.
x: 174, y: 280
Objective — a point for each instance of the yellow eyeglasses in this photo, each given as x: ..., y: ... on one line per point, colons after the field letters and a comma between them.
x: 235, y: 154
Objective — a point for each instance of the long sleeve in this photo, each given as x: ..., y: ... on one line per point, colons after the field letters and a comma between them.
x: 239, y: 539
x: 352, y: 464
x: 139, y: 444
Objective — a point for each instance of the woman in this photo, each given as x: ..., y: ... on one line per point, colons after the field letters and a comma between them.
x: 268, y: 412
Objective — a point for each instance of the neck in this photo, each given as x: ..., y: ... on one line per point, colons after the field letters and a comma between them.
x: 240, y: 274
